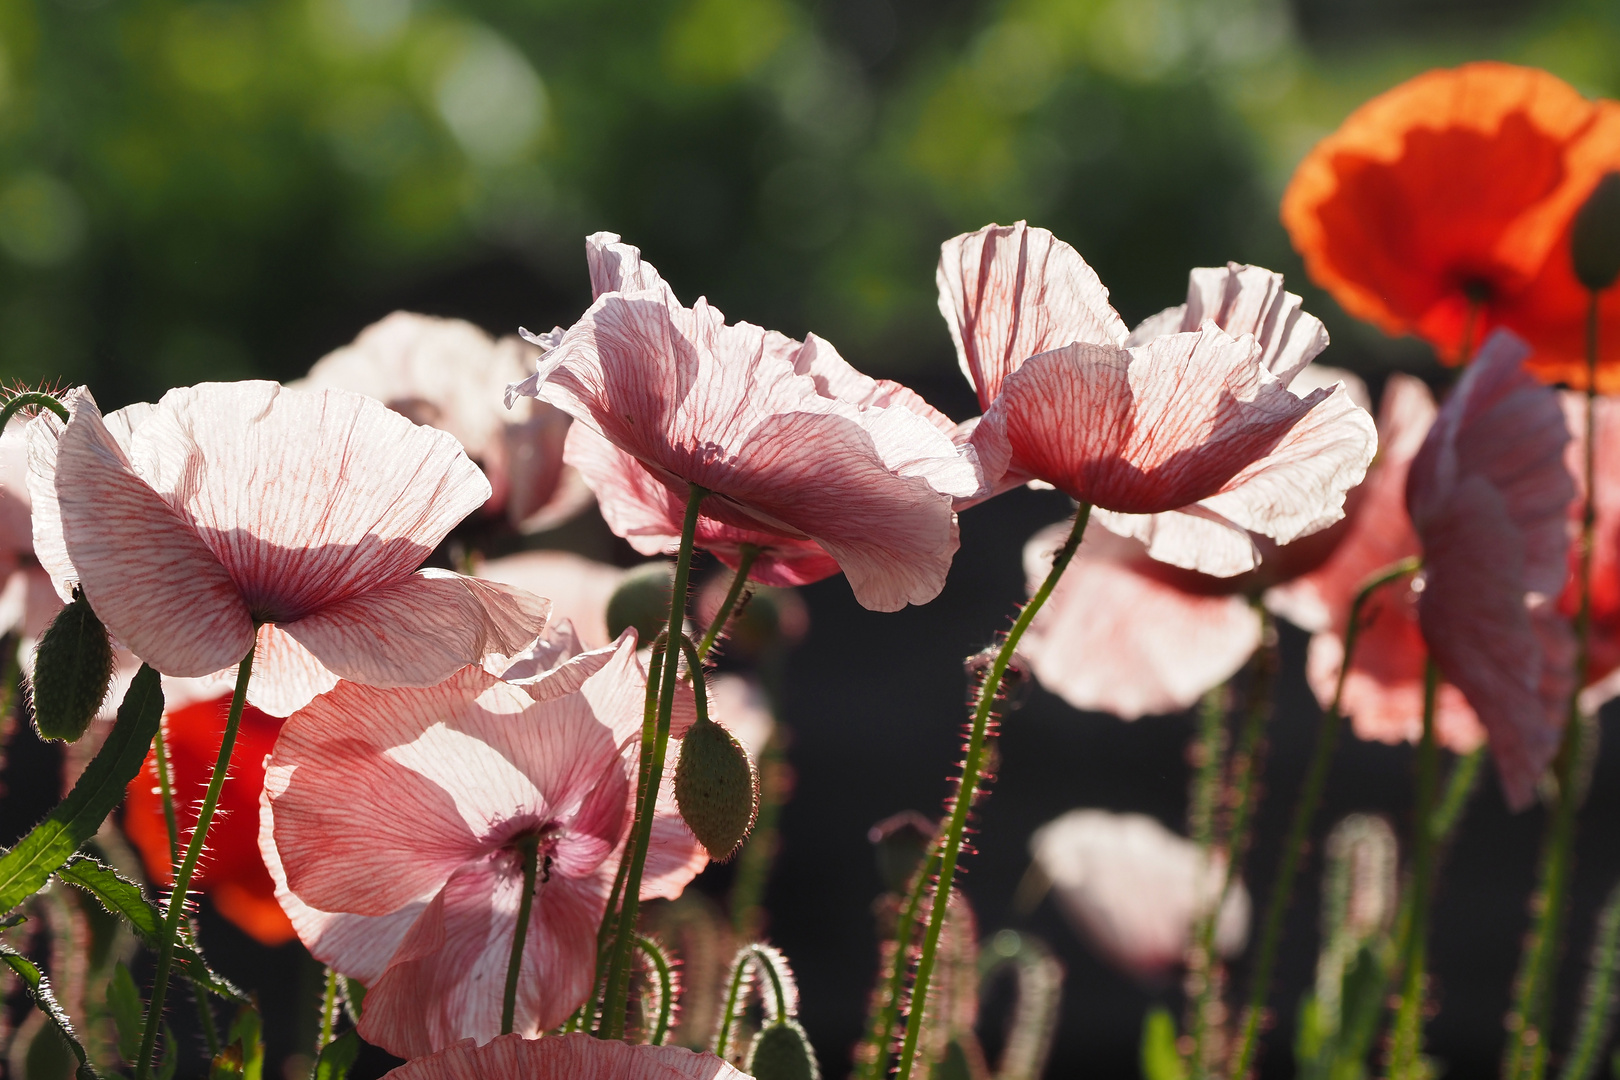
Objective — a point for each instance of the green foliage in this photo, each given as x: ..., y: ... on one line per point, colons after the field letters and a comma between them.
x: 124, y: 1003
x: 124, y: 898
x: 1160, y: 1058
x: 27, y: 866
x: 337, y: 1057
x: 73, y: 667
x: 243, y: 1055
x: 39, y: 988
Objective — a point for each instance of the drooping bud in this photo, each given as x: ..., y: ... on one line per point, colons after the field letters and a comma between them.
x: 716, y: 788
x: 73, y: 667
x: 641, y: 601
x: 901, y: 843
x: 1595, y: 241
x: 782, y: 1051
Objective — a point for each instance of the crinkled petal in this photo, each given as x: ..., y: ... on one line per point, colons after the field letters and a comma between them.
x: 286, y: 677
x: 565, y: 1057
x: 1009, y: 292
x: 618, y: 267
x: 579, y: 588
x: 419, y: 631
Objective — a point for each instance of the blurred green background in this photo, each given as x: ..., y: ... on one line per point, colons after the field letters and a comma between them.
x: 194, y: 190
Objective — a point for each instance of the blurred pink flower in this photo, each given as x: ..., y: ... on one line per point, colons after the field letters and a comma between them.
x: 1489, y: 495
x: 1603, y: 643
x: 1126, y: 634
x: 450, y: 375
x: 1134, y: 889
x: 1187, y: 440
x: 28, y: 602
x: 818, y: 466
x: 565, y: 1057
x: 228, y: 507
x: 578, y: 588
x: 390, y: 821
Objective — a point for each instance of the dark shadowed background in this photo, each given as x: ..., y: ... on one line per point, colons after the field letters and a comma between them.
x: 231, y: 188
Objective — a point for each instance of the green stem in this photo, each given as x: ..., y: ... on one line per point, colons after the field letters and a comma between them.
x: 329, y: 1005
x: 1460, y: 787
x: 31, y: 399
x: 1597, y: 1009
x: 967, y: 789
x: 529, y: 849
x: 166, y: 792
x: 754, y: 864
x: 1406, y: 1045
x: 1205, y: 803
x: 1532, y: 1003
x: 1299, y: 827
x: 876, y: 1059
x: 745, y: 562
x: 176, y: 909
x: 616, y: 995
x: 739, y: 974
x: 666, y: 988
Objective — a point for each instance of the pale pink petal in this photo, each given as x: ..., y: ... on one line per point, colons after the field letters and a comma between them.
x: 1134, y: 889
x: 1245, y: 300
x: 739, y: 705
x: 835, y: 378
x: 618, y: 267
x: 285, y: 676
x: 418, y: 631
x: 1009, y: 292
x: 559, y: 664
x: 307, y: 497
x: 16, y: 517
x: 1193, y: 538
x: 578, y: 588
x: 1112, y: 638
x: 154, y: 583
x: 565, y: 1057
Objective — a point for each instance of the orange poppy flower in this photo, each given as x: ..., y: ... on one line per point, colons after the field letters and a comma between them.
x: 232, y: 873
x: 1456, y: 190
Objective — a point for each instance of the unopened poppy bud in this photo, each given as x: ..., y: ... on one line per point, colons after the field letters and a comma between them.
x: 73, y: 667
x: 1595, y: 243
x: 782, y: 1052
x: 716, y: 788
x: 901, y: 842
x: 641, y: 601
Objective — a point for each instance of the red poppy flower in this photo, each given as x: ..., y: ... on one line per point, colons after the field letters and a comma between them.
x: 1457, y: 189
x: 232, y: 874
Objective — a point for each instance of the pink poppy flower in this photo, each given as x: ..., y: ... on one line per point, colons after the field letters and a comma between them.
x: 1134, y: 889
x: 579, y: 588
x: 450, y: 375
x: 1188, y: 441
x: 565, y: 1057
x: 414, y: 888
x: 816, y: 465
x: 1126, y: 634
x: 1489, y: 495
x: 229, y: 510
x: 1383, y: 693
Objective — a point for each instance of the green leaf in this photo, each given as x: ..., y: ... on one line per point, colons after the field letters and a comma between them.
x: 1160, y: 1058
x: 171, y: 1055
x: 124, y: 1002
x: 124, y: 898
x: 338, y: 1057
x: 25, y: 868
x: 39, y: 987
x: 245, y: 1044
x: 1308, y: 1037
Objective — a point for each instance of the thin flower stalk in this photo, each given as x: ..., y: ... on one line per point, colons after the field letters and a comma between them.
x: 175, y: 912
x: 529, y: 848
x: 1406, y: 1045
x: 1596, y: 1021
x: 739, y: 580
x: 1532, y: 1000
x: 616, y: 994
x: 1299, y: 827
x: 967, y: 790
x: 31, y: 399
x: 659, y: 1030
x: 874, y: 1062
x: 1207, y: 787
x: 166, y: 792
x: 329, y: 1011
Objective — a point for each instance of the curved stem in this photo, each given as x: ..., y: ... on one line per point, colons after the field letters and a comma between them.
x: 1299, y: 827
x: 31, y: 399
x: 1532, y: 1001
x: 666, y: 988
x: 616, y: 994
x: 529, y: 849
x: 176, y: 909
x: 876, y: 1059
x: 967, y: 789
x: 728, y: 1015
x: 1406, y: 1045
x: 739, y: 580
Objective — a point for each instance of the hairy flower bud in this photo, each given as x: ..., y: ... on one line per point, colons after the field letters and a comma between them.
x: 73, y: 667
x: 641, y: 601
x: 717, y: 788
x: 901, y: 843
x: 782, y: 1051
x: 1595, y: 244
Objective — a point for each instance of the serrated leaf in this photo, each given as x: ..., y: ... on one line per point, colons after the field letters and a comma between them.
x: 25, y: 868
x: 124, y: 898
x: 124, y: 1002
x: 1160, y: 1059
x: 39, y: 988
x: 338, y: 1057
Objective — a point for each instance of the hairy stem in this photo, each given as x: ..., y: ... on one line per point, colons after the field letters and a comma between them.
x: 529, y: 851
x: 31, y: 399
x: 739, y: 581
x: 1406, y: 1045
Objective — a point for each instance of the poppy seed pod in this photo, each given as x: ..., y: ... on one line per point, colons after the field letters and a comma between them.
x: 782, y: 1052
x: 716, y: 788
x: 1595, y: 242
x: 73, y: 667
x: 641, y: 601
